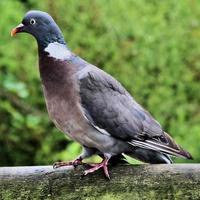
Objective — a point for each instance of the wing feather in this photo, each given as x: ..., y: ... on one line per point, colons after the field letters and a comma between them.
x: 109, y: 107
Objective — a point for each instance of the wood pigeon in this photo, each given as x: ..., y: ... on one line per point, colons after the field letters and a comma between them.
x: 91, y: 106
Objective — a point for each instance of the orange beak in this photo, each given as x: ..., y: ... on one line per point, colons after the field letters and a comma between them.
x: 16, y: 30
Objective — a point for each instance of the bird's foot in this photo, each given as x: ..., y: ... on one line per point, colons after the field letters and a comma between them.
x: 96, y: 166
x: 74, y: 163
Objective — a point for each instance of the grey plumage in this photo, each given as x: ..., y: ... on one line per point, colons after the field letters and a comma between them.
x: 110, y: 107
x: 91, y: 106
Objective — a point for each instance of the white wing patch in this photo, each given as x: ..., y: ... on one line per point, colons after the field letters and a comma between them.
x: 58, y: 51
x: 103, y: 131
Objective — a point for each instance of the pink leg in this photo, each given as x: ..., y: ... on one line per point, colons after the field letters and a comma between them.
x: 95, y: 167
x: 74, y: 163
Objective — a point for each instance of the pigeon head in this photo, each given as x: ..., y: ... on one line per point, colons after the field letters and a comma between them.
x: 42, y: 26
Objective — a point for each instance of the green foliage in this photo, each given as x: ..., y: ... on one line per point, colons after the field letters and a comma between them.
x: 152, y: 47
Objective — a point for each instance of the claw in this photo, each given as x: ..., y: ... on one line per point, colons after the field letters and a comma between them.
x: 95, y: 167
x: 74, y: 163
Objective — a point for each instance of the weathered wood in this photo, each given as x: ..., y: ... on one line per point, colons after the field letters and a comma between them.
x: 178, y: 181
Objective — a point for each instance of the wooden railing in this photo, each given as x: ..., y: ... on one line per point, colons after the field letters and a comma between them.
x: 177, y: 181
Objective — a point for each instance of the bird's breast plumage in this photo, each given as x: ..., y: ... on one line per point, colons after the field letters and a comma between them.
x: 61, y: 94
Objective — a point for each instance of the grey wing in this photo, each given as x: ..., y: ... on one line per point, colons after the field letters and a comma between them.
x: 111, y: 110
x: 110, y: 107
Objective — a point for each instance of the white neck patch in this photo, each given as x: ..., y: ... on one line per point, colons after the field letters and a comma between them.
x: 58, y: 51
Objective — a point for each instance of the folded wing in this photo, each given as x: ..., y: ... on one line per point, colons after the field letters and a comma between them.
x: 111, y: 109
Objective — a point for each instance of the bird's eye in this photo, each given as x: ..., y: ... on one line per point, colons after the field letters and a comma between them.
x: 32, y: 21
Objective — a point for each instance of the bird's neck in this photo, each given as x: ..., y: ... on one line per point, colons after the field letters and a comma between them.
x: 57, y: 51
x: 60, y: 53
x: 54, y: 35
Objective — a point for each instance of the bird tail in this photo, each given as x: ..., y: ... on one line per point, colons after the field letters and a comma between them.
x: 165, y: 145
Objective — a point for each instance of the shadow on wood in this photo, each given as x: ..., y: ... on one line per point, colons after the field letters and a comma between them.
x: 177, y: 181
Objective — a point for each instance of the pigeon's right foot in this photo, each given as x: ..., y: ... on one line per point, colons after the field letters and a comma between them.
x: 96, y: 166
x: 74, y: 163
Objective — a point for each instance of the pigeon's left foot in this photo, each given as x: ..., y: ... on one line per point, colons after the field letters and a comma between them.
x: 95, y: 167
x: 74, y: 163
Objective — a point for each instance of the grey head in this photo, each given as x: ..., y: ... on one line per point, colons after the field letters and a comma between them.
x: 42, y: 26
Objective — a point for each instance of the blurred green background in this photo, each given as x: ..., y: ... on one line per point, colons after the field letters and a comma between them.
x: 152, y: 47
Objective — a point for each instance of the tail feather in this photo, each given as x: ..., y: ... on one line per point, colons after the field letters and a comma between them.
x: 164, y: 144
